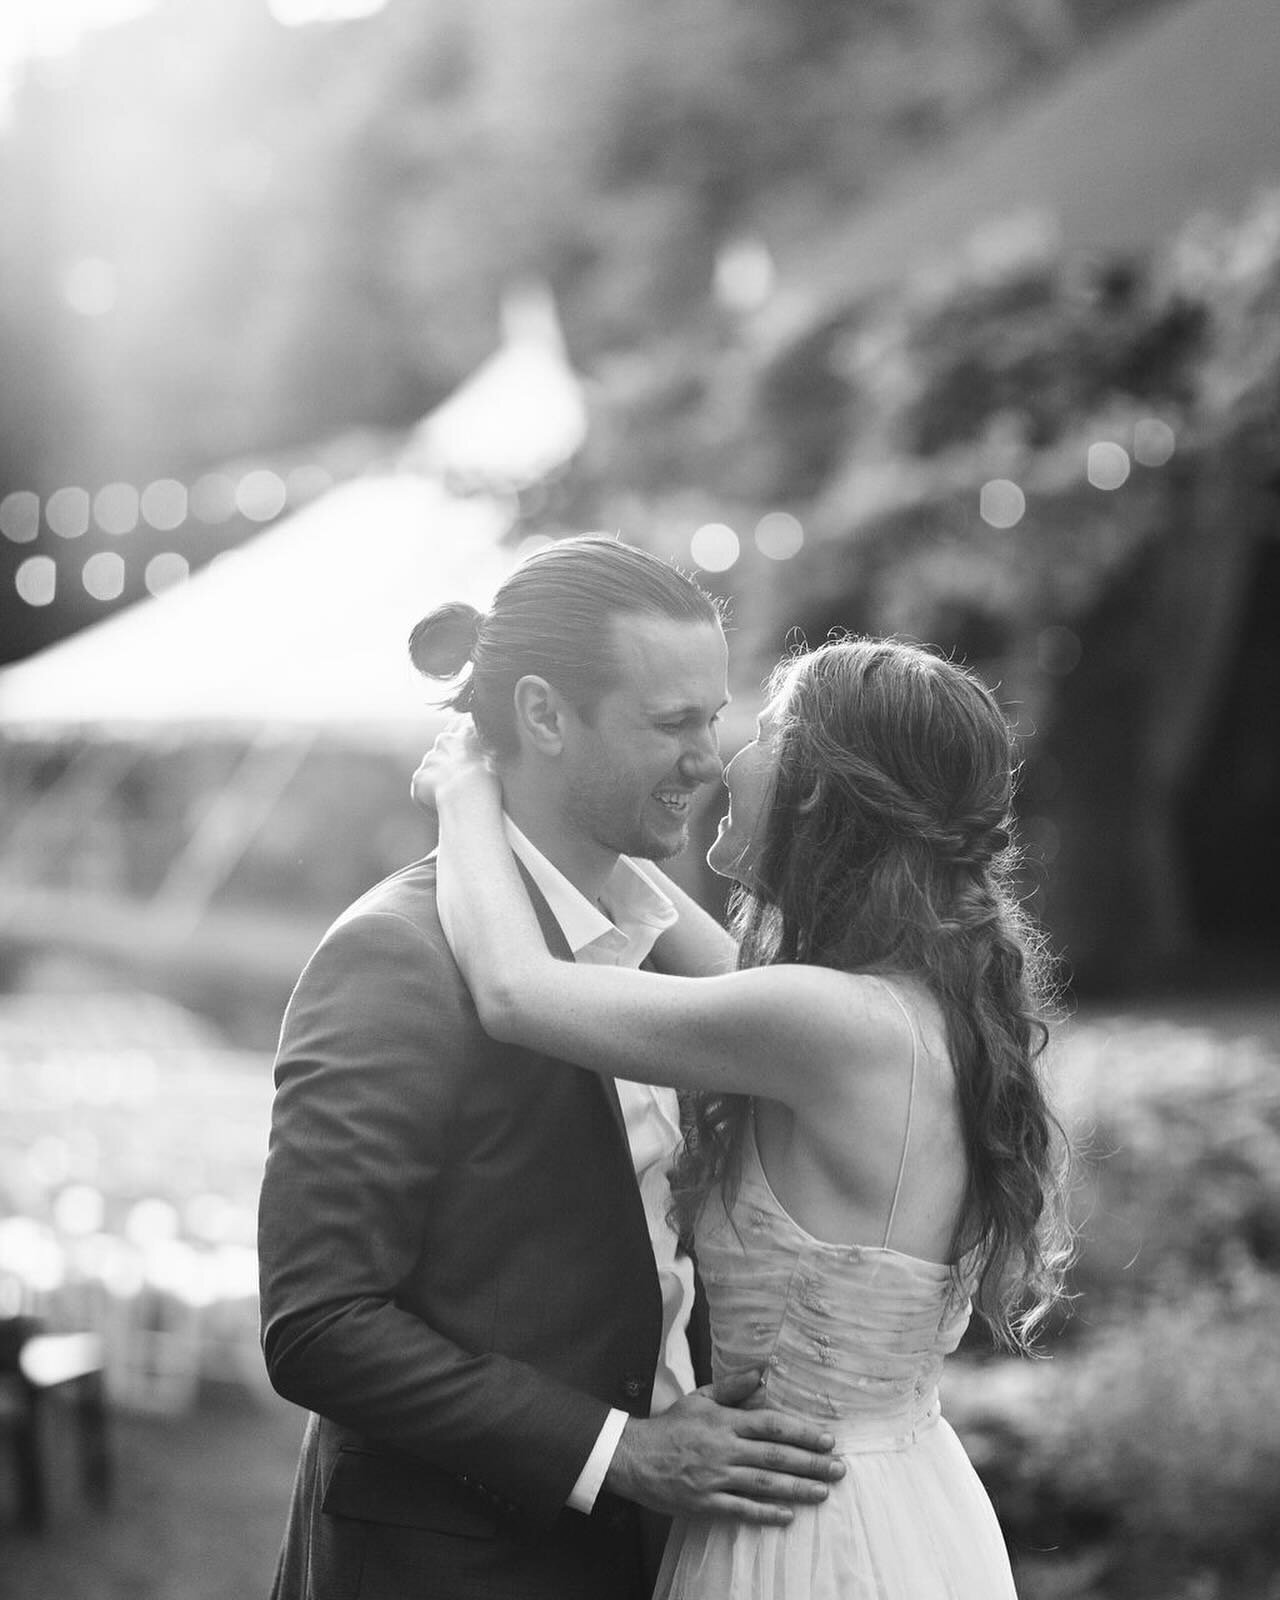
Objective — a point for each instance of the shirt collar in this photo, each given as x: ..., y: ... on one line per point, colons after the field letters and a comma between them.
x: 638, y: 910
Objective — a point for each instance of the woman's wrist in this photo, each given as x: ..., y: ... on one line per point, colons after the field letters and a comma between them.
x: 467, y: 792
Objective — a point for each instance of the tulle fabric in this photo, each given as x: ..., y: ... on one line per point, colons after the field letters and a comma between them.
x: 853, y: 1337
x: 913, y: 1524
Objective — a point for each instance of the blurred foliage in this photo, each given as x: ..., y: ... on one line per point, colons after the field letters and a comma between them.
x: 1182, y: 1132
x: 304, y: 230
x: 1141, y: 1462
x: 879, y: 424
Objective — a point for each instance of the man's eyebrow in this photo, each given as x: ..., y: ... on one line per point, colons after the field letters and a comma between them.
x: 670, y: 713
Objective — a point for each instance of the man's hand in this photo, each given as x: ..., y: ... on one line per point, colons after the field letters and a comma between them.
x: 712, y: 1459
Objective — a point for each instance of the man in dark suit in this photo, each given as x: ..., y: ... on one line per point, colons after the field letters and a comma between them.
x: 467, y: 1274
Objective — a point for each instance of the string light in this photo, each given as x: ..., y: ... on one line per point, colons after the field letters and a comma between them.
x: 1001, y: 503
x: 714, y: 547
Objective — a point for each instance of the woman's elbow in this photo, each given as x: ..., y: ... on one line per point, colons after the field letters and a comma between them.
x: 497, y: 1006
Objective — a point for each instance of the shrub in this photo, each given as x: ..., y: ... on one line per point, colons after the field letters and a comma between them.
x: 1180, y: 1135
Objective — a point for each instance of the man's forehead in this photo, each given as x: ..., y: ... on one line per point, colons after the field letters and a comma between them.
x: 669, y: 664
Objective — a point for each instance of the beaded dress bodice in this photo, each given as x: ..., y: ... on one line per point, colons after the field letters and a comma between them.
x: 853, y: 1336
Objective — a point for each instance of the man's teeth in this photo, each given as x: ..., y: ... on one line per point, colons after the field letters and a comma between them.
x: 673, y: 802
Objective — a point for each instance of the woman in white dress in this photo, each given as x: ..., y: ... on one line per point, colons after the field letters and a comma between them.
x: 872, y: 1155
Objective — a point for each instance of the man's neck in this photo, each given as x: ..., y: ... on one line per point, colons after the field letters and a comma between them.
x: 584, y: 863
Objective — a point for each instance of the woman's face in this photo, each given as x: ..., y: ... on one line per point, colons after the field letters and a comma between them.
x: 749, y: 778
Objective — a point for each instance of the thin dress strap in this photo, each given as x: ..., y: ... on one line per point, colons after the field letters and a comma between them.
x: 911, y: 1100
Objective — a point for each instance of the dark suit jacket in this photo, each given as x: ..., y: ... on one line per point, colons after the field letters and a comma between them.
x: 456, y: 1280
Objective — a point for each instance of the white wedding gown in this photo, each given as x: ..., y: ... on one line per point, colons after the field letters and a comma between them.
x: 852, y: 1337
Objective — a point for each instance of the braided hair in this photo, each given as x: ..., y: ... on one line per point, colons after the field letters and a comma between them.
x: 887, y: 848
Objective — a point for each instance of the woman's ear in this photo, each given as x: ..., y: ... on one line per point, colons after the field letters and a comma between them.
x: 539, y: 715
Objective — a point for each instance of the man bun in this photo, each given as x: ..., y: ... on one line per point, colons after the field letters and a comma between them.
x: 444, y: 641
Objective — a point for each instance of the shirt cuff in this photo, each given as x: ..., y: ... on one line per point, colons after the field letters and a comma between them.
x: 582, y: 1497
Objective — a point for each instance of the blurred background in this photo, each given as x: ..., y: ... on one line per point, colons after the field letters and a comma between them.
x: 952, y: 318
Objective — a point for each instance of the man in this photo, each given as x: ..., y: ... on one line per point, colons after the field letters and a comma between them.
x: 467, y: 1273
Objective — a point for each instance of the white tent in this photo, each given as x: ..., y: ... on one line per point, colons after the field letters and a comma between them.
x: 305, y: 624
x: 300, y: 633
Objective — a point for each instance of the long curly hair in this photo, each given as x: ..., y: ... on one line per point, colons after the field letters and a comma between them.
x: 886, y: 848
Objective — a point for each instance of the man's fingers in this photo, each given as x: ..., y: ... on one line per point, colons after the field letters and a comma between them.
x: 763, y: 1513
x: 734, y: 1388
x: 778, y: 1428
x: 787, y: 1465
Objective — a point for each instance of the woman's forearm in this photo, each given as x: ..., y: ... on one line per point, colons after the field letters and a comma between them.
x: 484, y: 909
x: 696, y: 946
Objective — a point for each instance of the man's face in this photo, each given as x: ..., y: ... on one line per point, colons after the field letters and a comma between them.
x: 632, y: 770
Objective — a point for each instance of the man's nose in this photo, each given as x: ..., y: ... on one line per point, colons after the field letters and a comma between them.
x: 701, y: 761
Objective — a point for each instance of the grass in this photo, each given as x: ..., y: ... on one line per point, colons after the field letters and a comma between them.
x: 197, y: 1512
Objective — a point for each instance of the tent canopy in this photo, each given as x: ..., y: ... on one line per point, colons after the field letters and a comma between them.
x: 306, y: 624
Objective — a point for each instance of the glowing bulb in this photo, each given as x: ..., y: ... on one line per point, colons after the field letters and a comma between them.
x: 1108, y: 464
x: 115, y: 508
x: 20, y: 516
x: 103, y: 575
x: 779, y: 536
x: 1153, y: 442
x: 1001, y: 503
x: 714, y: 547
x: 36, y: 581
x: 67, y: 512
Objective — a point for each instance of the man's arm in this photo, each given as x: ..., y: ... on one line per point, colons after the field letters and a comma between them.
x: 361, y: 1131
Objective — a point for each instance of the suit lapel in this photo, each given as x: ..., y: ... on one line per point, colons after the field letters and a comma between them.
x: 559, y: 947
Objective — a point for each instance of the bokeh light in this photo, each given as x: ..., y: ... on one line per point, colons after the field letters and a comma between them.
x: 80, y: 1209
x: 20, y: 516
x: 36, y: 581
x: 213, y: 498
x: 151, y: 1222
x: 714, y: 547
x: 779, y: 536
x: 1153, y: 442
x: 166, y: 571
x: 115, y: 508
x: 103, y: 575
x: 744, y: 275
x: 67, y: 512
x: 164, y: 504
x: 261, y: 495
x: 1108, y: 464
x: 1001, y: 503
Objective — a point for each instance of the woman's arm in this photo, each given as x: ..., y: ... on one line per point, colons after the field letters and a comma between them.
x: 696, y: 946
x: 785, y: 1032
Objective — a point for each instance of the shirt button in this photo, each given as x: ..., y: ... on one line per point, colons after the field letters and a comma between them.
x: 633, y: 1387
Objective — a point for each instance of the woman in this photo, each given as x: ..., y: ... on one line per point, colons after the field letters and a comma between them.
x: 871, y: 1152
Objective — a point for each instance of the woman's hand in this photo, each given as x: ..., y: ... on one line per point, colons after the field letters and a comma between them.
x: 455, y: 762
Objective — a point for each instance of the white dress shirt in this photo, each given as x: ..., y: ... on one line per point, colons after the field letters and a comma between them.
x: 637, y: 914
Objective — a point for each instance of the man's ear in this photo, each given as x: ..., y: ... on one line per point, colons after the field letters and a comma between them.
x: 540, y: 715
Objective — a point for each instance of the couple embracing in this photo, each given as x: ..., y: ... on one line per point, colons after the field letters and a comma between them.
x: 614, y: 1254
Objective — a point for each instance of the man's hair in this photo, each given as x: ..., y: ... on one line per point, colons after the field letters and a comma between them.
x: 552, y: 617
